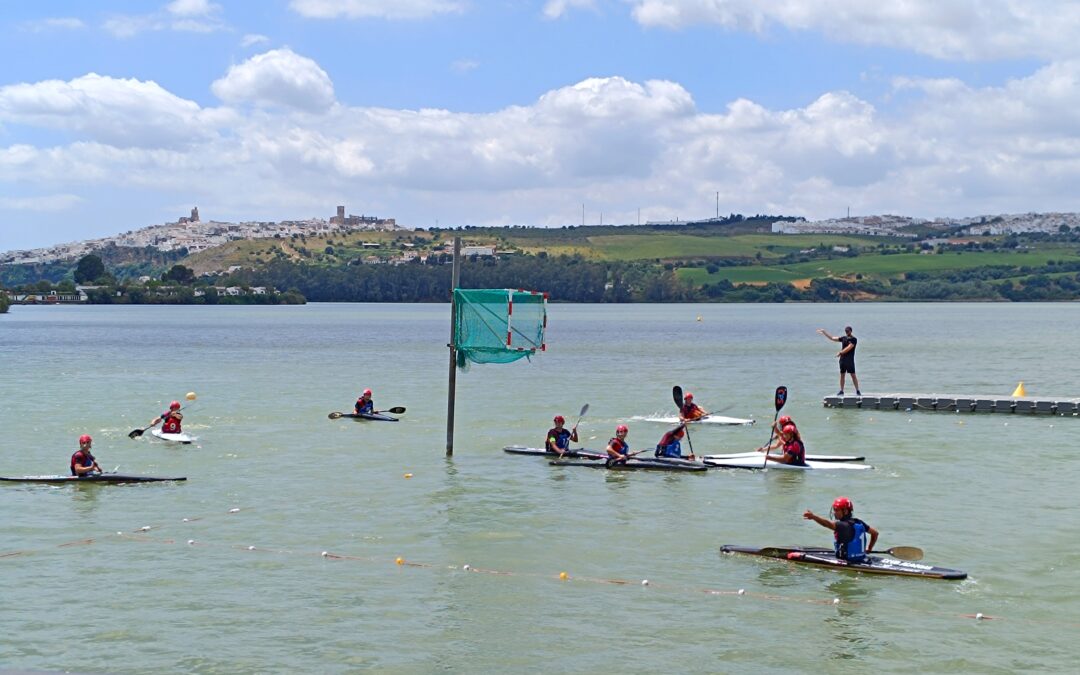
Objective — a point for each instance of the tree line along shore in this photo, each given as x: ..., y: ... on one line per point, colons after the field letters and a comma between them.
x: 736, y: 260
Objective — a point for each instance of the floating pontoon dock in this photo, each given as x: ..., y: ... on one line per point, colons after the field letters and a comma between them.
x: 1020, y: 405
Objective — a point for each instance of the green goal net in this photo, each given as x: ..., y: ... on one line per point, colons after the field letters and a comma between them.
x: 498, y: 325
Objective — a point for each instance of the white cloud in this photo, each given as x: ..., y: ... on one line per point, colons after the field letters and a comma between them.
x: 943, y: 148
x: 279, y: 77
x: 554, y: 9
x: 191, y: 16
x: 61, y: 202
x: 253, y: 39
x: 52, y: 24
x: 464, y: 66
x: 961, y: 29
x: 375, y: 9
x: 121, y: 112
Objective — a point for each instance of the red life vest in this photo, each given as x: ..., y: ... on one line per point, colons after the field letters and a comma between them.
x: 170, y: 423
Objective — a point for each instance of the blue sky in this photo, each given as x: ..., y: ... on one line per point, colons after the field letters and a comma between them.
x: 116, y: 115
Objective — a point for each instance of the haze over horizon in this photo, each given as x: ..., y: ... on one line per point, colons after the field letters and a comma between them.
x: 123, y: 114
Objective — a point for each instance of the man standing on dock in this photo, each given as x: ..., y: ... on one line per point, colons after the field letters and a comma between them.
x: 846, y: 355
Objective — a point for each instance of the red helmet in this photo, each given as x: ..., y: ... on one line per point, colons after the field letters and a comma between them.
x: 175, y: 405
x: 789, y: 429
x: 842, y: 503
x: 367, y: 392
x: 559, y: 419
x: 622, y: 429
x: 688, y: 397
x: 680, y: 431
x: 85, y: 439
x: 784, y: 421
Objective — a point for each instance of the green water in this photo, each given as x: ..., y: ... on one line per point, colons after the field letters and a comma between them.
x: 990, y: 494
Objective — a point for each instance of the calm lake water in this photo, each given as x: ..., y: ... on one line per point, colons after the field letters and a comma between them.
x: 992, y: 494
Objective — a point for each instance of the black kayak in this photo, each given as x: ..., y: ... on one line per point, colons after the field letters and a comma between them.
x: 93, y: 478
x: 541, y: 452
x: 824, y: 557
x: 636, y: 465
x: 374, y: 417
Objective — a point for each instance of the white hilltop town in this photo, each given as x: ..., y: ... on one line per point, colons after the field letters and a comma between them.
x: 194, y: 234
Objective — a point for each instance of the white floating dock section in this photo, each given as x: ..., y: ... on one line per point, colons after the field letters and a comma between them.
x: 1020, y: 405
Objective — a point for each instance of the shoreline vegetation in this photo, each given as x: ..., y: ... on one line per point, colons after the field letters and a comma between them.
x: 736, y: 259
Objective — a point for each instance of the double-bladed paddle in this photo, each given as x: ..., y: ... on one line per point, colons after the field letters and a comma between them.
x: 677, y: 396
x: 898, y: 552
x: 779, y: 399
x: 396, y: 410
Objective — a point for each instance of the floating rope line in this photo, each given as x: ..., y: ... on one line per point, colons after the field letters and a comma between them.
x: 140, y: 535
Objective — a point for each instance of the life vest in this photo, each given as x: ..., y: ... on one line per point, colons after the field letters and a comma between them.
x: 622, y: 447
x: 170, y: 422
x: 796, y: 448
x: 672, y: 449
x: 86, y: 461
x: 849, y: 539
x: 691, y: 411
x: 363, y: 406
x: 560, y: 438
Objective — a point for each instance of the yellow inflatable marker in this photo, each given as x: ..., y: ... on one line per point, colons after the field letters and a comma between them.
x: 1019, y: 391
x: 190, y: 396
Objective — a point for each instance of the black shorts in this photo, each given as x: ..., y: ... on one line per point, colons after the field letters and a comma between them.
x: 847, y: 366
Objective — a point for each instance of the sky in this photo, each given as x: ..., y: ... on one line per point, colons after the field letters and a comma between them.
x: 119, y: 114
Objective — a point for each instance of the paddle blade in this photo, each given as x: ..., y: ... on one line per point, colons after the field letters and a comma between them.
x: 584, y: 409
x: 135, y: 433
x: 334, y: 415
x: 397, y: 410
x: 781, y: 397
x: 906, y: 552
x: 676, y: 395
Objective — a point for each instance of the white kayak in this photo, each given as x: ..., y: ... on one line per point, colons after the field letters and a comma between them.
x: 809, y: 458
x: 758, y: 461
x: 709, y: 419
x: 172, y: 438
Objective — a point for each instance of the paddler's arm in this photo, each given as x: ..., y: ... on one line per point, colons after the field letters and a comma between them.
x: 810, y: 515
x: 873, y: 538
x: 573, y: 434
x: 822, y: 331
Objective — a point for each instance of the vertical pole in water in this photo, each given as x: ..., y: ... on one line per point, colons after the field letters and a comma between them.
x: 455, y: 278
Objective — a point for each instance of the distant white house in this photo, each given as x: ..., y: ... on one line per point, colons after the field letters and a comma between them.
x: 478, y: 250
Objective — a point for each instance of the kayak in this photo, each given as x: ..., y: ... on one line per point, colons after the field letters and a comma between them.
x: 541, y: 452
x: 759, y: 461
x: 809, y: 458
x: 94, y: 478
x: 708, y: 419
x: 637, y: 465
x: 824, y: 557
x: 374, y: 417
x: 173, y: 438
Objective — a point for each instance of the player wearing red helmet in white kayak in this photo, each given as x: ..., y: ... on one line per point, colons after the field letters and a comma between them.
x: 690, y: 411
x: 170, y: 419
x: 617, y: 448
x: 791, y: 442
x: 849, y: 533
x: 558, y: 437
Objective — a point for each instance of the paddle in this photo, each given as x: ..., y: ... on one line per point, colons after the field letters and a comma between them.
x: 677, y: 395
x: 396, y: 410
x: 898, y: 552
x: 779, y: 400
x: 573, y: 430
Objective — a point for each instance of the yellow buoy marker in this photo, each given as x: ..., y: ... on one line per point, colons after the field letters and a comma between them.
x: 1019, y: 391
x: 563, y: 576
x: 190, y: 396
x: 408, y: 475
x: 400, y: 560
x: 699, y: 317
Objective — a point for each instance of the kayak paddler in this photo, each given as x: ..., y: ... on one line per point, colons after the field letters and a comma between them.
x: 670, y: 444
x: 82, y: 462
x: 690, y: 411
x: 778, y: 425
x: 170, y: 419
x: 364, y: 405
x: 558, y: 437
x: 849, y: 533
x: 791, y: 442
x: 618, y: 450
